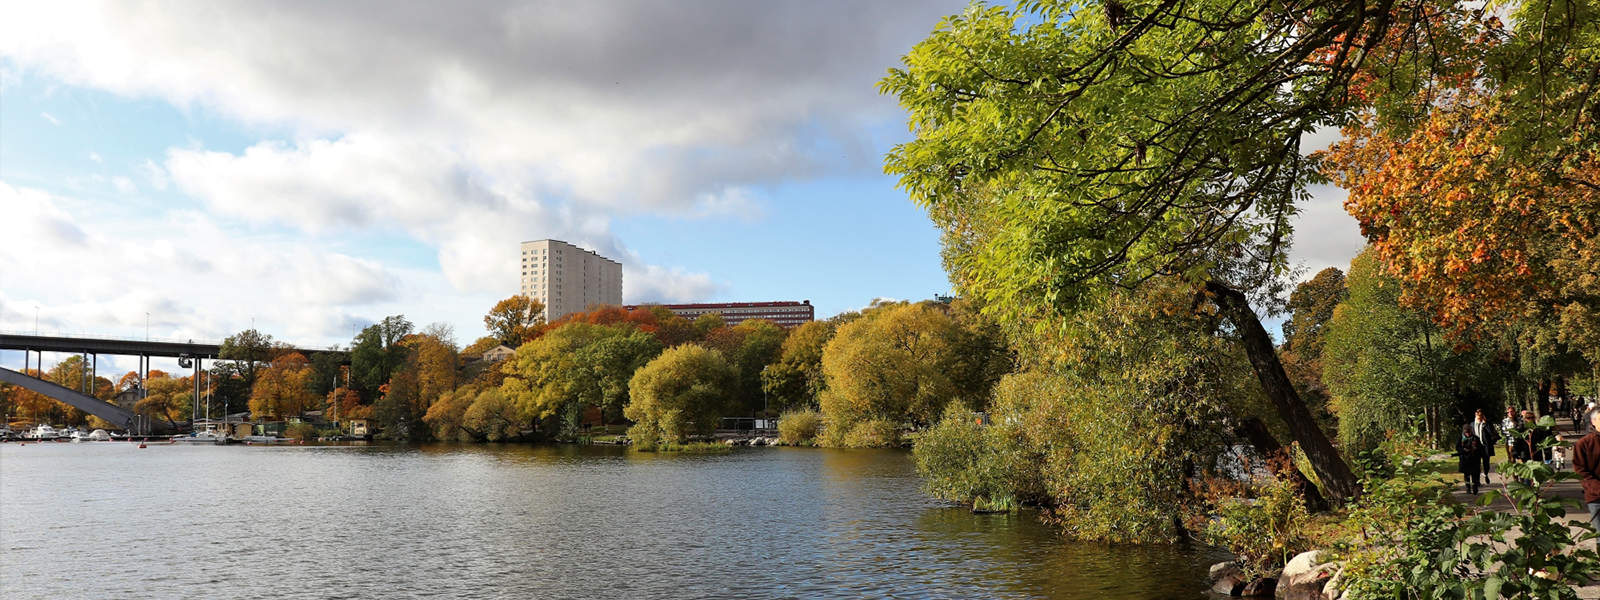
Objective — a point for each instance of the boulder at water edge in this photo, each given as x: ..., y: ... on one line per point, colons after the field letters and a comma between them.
x: 1227, y: 579
x: 1305, y: 577
x: 1260, y: 587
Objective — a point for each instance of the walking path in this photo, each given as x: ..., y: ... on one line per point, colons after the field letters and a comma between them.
x: 1568, y: 489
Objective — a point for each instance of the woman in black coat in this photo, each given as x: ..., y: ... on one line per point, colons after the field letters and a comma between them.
x: 1469, y: 452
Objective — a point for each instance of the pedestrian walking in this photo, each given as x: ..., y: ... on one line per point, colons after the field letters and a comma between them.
x: 1488, y: 436
x: 1469, y: 458
x: 1586, y: 461
x: 1511, y: 432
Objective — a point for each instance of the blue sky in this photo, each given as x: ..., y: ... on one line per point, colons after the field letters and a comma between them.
x: 311, y: 167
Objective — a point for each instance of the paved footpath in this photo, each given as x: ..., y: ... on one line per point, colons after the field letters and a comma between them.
x: 1570, y: 489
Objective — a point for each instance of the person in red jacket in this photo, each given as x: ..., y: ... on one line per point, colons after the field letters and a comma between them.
x: 1586, y: 461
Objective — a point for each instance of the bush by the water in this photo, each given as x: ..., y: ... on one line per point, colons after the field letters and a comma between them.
x: 986, y: 467
x: 689, y: 448
x: 300, y: 431
x: 1263, y: 527
x: 799, y: 427
x: 871, y: 433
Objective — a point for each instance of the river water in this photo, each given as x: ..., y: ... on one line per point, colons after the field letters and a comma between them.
x: 486, y: 521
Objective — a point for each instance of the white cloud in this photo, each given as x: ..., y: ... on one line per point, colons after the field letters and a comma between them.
x: 124, y: 185
x: 154, y: 174
x: 1324, y: 234
x: 655, y: 284
x: 51, y: 118
x: 467, y: 126
x: 623, y: 106
x: 196, y: 278
x: 95, y: 156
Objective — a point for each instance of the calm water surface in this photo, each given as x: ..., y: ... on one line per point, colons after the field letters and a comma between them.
x: 449, y: 521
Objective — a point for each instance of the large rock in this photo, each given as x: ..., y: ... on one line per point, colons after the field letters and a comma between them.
x: 1264, y: 586
x: 1227, y: 579
x: 1306, y: 577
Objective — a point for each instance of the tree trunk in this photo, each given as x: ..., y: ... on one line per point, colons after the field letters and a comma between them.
x: 1325, y: 460
x: 1256, y: 432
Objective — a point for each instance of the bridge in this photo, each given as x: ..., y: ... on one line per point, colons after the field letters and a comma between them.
x: 116, y: 415
x: 190, y: 354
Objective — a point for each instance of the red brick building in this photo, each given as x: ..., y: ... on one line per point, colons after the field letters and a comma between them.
x: 787, y: 314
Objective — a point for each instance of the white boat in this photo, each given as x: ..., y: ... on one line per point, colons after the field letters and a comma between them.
x: 43, y: 432
x: 98, y: 435
x: 201, y: 437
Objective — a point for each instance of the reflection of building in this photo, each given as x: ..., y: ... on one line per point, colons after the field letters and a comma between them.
x: 787, y: 314
x: 568, y: 279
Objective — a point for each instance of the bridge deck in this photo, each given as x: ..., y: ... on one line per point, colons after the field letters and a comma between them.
x: 47, y: 343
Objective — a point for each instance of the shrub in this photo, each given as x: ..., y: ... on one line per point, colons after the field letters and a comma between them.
x: 689, y: 448
x: 1264, y: 532
x: 300, y: 431
x: 873, y: 433
x: 957, y: 463
x: 799, y: 427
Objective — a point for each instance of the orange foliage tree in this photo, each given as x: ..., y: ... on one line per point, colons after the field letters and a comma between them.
x: 282, y: 389
x: 1477, y: 236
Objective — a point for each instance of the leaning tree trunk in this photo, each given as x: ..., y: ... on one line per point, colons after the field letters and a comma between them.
x: 1335, y: 474
x: 1256, y: 432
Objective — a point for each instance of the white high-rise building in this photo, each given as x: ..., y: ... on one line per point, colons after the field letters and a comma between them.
x: 568, y: 279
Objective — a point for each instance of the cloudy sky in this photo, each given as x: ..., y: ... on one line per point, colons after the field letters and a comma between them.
x: 309, y: 167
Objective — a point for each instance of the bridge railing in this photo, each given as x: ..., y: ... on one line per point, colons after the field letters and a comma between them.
x: 61, y: 333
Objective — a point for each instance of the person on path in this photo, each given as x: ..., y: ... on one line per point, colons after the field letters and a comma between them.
x: 1533, y: 436
x: 1488, y: 436
x: 1510, y: 428
x: 1469, y: 457
x: 1586, y: 461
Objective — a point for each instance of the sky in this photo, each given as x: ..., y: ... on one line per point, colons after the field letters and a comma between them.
x: 189, y: 170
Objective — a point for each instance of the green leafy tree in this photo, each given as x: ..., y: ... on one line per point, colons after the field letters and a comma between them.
x: 795, y: 381
x: 1310, y: 307
x: 375, y: 353
x: 1068, y: 149
x: 1385, y: 364
x: 681, y: 393
x: 250, y: 350
x: 749, y: 347
x: 893, y: 364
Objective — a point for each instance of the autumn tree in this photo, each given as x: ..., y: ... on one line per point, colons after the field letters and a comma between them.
x: 446, y: 417
x: 283, y: 389
x: 515, y: 320
x: 435, y: 361
x: 576, y: 364
x: 494, y: 417
x: 167, y: 398
x: 682, y: 393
